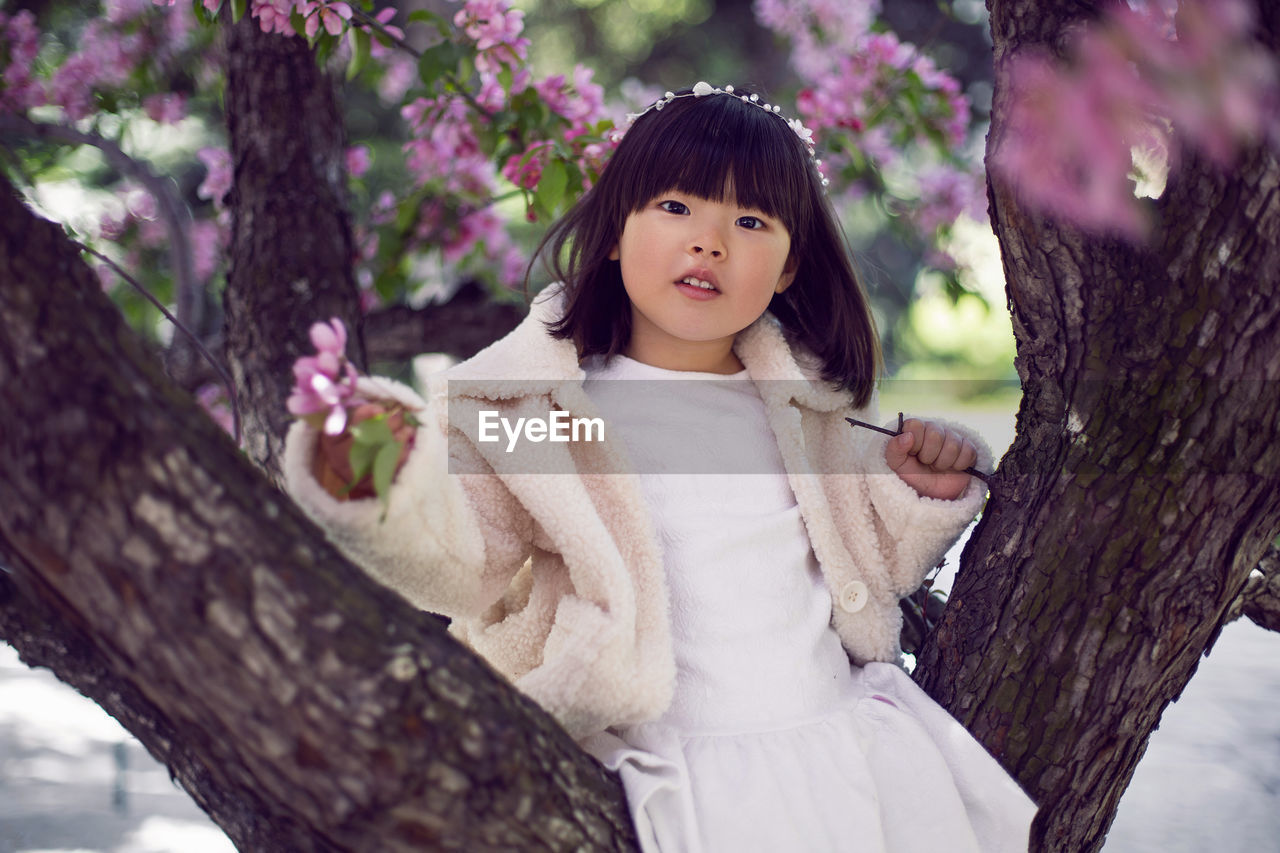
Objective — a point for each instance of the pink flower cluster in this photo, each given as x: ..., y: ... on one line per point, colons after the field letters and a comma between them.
x: 854, y: 89
x: 103, y: 59
x: 106, y: 54
x: 19, y: 46
x: 332, y: 16
x: 495, y: 28
x: 445, y: 153
x: 945, y: 195
x: 1072, y: 130
x: 218, y: 175
x: 525, y: 170
x: 819, y: 29
x: 857, y: 82
x: 325, y: 383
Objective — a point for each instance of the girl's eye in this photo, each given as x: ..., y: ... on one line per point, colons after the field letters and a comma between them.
x: 671, y: 206
x: 753, y: 222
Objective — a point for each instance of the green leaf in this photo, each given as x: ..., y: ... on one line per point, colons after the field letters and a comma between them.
x: 373, y: 431
x: 324, y: 45
x: 384, y: 468
x: 551, y: 187
x: 298, y: 22
x: 438, y: 61
x: 238, y: 9
x: 361, y: 459
x: 206, y: 16
x: 438, y: 21
x: 359, y: 41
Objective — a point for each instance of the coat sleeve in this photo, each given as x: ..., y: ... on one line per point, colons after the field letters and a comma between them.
x: 916, y: 532
x: 452, y: 537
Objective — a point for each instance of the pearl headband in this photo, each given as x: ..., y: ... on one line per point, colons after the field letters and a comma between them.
x: 702, y: 89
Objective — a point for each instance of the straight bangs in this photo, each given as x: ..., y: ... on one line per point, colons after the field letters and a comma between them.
x: 715, y: 148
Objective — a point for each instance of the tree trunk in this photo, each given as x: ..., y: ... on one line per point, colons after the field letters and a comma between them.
x: 150, y: 565
x: 291, y: 243
x: 1144, y: 482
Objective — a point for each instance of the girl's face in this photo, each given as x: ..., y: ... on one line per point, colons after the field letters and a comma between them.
x: 697, y: 272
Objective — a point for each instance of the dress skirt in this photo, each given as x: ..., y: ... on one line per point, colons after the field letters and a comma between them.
x: 888, y: 772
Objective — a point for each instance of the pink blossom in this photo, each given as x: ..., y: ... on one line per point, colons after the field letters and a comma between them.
x: 103, y: 59
x: 490, y: 23
x: 331, y: 15
x: 166, y: 109
x: 1071, y: 130
x: 274, y: 15
x: 1067, y: 146
x: 120, y: 11
x: 525, y: 169
x: 482, y: 226
x: 19, y: 90
x: 511, y: 267
x: 112, y: 227
x: 376, y: 49
x: 945, y: 194
x: 324, y: 383
x: 217, y: 182
x: 401, y: 72
x: 357, y: 160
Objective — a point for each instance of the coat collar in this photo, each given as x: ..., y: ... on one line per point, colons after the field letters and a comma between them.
x: 529, y: 361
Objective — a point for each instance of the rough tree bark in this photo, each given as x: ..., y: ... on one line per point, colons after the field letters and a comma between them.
x: 153, y: 567
x: 291, y: 244
x: 1144, y: 482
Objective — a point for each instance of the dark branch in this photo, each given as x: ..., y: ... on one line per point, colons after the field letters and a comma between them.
x: 461, y: 327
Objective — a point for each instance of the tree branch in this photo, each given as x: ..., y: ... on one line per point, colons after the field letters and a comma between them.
x: 461, y: 327
x: 152, y: 565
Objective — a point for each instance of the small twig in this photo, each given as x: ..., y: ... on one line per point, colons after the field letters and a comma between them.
x: 226, y: 379
x: 984, y: 477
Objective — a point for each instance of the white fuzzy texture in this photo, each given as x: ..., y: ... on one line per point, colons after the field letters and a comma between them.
x: 557, y: 580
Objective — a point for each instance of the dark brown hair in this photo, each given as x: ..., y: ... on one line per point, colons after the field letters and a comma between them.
x: 702, y: 147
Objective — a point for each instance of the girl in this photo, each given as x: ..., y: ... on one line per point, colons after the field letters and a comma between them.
x: 727, y: 641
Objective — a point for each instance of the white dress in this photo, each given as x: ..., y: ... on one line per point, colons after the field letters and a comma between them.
x: 773, y: 741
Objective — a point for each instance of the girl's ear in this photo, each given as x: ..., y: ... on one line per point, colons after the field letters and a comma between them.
x: 788, y: 274
x: 613, y: 253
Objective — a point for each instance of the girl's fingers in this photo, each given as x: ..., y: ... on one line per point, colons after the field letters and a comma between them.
x: 938, y: 447
x: 935, y: 438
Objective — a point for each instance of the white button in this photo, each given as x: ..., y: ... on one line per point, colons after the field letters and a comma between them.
x: 854, y: 596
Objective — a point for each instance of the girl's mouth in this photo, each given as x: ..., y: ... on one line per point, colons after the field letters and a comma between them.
x: 698, y: 284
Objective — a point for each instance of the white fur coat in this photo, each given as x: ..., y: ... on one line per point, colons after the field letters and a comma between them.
x: 557, y: 580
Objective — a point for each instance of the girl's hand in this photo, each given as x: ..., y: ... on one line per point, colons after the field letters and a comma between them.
x: 931, y: 459
x: 332, y: 463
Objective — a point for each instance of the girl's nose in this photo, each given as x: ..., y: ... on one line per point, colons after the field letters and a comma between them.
x: 707, y: 245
